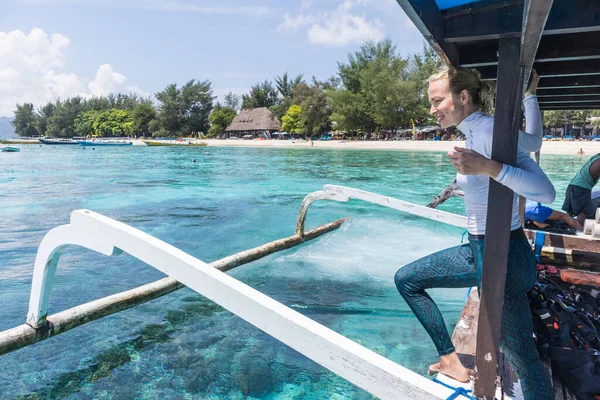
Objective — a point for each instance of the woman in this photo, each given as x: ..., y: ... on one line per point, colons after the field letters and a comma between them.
x: 459, y: 98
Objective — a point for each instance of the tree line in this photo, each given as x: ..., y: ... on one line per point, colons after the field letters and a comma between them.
x: 561, y: 118
x: 376, y: 88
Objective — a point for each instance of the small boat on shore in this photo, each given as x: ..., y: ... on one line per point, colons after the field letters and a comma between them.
x: 105, y: 142
x: 9, y: 149
x: 20, y: 140
x: 175, y: 142
x: 58, y: 141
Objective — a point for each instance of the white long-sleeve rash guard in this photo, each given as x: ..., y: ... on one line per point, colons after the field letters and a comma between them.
x: 531, y: 139
x: 526, y: 178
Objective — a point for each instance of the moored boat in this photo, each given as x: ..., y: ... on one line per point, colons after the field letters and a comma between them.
x: 20, y: 140
x: 58, y: 141
x: 9, y: 149
x: 175, y: 142
x: 105, y: 142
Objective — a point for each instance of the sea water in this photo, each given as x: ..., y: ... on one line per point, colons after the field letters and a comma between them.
x: 213, y: 202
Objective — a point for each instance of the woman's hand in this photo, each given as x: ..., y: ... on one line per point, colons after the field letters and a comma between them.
x: 534, y: 80
x: 469, y: 162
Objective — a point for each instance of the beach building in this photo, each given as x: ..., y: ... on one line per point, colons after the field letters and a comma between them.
x: 253, y: 123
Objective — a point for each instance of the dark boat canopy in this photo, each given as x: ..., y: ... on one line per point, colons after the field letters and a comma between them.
x: 560, y: 39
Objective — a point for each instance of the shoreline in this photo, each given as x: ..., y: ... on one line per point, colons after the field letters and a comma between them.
x: 548, y: 147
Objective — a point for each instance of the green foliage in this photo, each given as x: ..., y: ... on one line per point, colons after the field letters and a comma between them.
x: 84, y: 123
x: 62, y: 121
x: 185, y: 111
x: 349, y: 111
x: 314, y: 117
x: 141, y: 118
x: 380, y: 89
x: 25, y: 121
x: 291, y: 121
x: 43, y: 118
x: 581, y: 117
x: 261, y: 95
x: 219, y: 119
x: 422, y: 67
x: 232, y: 101
x: 113, y: 122
x: 595, y: 119
x: 560, y: 118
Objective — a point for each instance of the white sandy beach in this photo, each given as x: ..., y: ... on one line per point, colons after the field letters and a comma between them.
x: 550, y: 147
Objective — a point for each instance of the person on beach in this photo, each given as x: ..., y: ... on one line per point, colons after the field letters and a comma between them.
x: 578, y: 197
x: 580, y: 153
x: 460, y: 98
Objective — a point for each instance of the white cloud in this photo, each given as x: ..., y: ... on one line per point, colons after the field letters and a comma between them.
x: 345, y: 30
x: 107, y: 81
x: 339, y: 27
x: 32, y: 70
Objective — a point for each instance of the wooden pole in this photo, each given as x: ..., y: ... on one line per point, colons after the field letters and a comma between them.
x: 507, y: 121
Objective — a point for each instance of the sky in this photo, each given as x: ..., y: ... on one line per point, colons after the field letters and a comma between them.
x: 61, y: 48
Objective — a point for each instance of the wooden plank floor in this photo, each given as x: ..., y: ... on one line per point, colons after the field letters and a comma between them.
x: 465, y: 342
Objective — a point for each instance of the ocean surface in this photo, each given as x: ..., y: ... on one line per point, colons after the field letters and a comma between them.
x: 183, y: 346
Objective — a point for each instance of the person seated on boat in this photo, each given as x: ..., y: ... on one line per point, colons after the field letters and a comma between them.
x: 578, y: 197
x: 538, y: 216
x: 460, y: 98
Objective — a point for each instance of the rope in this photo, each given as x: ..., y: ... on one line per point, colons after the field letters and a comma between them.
x: 458, y: 391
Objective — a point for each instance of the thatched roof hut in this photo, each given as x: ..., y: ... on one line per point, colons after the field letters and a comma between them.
x: 254, y: 121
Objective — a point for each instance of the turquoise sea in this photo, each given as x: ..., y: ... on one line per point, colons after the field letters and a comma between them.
x: 182, y: 346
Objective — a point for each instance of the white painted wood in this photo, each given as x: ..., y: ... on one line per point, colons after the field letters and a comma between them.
x: 401, y: 205
x: 364, y: 368
x: 588, y: 224
x: 308, y: 200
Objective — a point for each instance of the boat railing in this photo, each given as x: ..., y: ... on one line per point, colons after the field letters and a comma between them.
x: 355, y: 363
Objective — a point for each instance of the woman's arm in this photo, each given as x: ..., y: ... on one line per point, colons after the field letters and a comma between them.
x: 526, y: 178
x: 530, y: 140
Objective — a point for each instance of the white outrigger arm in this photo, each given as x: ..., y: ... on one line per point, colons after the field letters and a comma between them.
x: 355, y: 363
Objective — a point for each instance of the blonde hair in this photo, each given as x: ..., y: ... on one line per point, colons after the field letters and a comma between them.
x: 459, y: 79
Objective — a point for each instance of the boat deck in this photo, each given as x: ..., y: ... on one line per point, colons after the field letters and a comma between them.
x: 465, y: 341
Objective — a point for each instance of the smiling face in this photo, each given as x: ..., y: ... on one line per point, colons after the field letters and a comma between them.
x: 449, y: 109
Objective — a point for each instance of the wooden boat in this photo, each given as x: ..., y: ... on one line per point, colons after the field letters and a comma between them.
x: 364, y: 368
x: 105, y: 142
x: 9, y: 149
x: 58, y: 141
x: 20, y: 140
x: 175, y: 142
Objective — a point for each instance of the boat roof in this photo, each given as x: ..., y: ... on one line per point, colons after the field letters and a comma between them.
x: 559, y: 38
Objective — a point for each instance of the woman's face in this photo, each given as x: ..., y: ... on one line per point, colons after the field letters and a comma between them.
x: 446, y: 107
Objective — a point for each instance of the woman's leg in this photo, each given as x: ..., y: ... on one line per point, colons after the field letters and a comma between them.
x: 450, y: 268
x: 516, y: 338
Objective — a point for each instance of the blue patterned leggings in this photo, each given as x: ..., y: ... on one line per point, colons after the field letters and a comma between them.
x: 459, y: 267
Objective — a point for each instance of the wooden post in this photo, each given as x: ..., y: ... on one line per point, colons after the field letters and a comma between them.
x: 507, y: 121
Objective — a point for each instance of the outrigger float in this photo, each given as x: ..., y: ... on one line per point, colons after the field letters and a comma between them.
x: 359, y: 365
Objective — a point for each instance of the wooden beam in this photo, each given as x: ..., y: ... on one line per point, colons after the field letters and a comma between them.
x: 427, y: 17
x: 535, y: 14
x: 507, y: 121
x: 571, y: 47
x: 554, y: 69
x: 570, y: 107
x: 570, y: 99
x: 569, y: 82
x: 492, y: 20
x: 573, y: 91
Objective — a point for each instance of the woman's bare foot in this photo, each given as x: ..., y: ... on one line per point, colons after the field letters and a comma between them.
x: 451, y: 366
